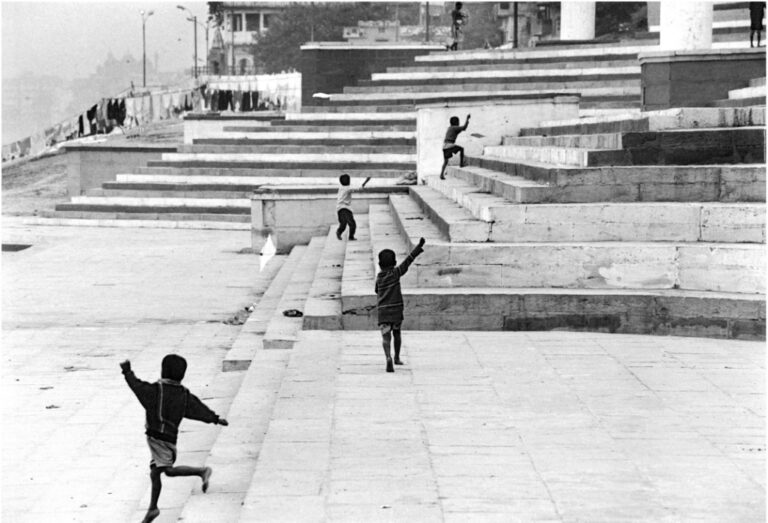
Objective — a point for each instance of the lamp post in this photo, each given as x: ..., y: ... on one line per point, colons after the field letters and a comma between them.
x: 194, y: 26
x: 144, y: 17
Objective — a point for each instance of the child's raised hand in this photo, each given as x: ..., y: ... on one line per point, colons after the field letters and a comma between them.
x: 422, y: 241
x: 126, y: 365
x: 224, y: 422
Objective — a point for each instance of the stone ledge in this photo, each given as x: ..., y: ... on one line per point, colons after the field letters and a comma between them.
x: 700, y: 55
x: 239, y: 117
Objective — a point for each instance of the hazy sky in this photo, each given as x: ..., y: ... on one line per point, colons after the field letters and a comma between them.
x: 69, y: 39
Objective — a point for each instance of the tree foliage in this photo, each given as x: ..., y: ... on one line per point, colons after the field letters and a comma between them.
x: 610, y: 15
x: 279, y: 49
x: 483, y: 26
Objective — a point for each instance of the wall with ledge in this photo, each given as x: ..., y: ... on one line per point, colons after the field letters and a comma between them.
x: 212, y: 124
x: 492, y: 119
x: 89, y: 166
x: 292, y: 215
x: 696, y: 78
x: 328, y: 67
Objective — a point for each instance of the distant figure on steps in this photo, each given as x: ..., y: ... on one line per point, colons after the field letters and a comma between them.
x: 458, y: 20
x: 756, y: 13
x: 344, y: 206
x: 449, y: 144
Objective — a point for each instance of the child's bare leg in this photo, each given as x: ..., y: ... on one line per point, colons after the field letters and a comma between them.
x: 398, y: 343
x: 183, y: 470
x: 461, y: 156
x: 157, y: 486
x: 385, y: 339
x: 442, y: 171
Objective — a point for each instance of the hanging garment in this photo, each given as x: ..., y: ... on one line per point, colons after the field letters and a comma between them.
x: 245, y: 104
x: 130, y: 111
x: 215, y: 100
x: 80, y: 126
x: 165, y: 110
x: 121, y: 112
x: 157, y: 107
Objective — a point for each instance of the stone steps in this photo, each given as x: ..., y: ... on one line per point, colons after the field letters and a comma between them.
x: 661, y: 312
x: 756, y: 82
x: 519, y: 65
x: 567, y: 54
x: 466, y: 215
x: 200, y: 180
x: 308, y: 141
x: 164, y: 191
x: 591, y: 88
x: 294, y: 148
x: 352, y: 127
x: 668, y: 119
x: 316, y: 134
x: 282, y: 165
x: 323, y: 307
x: 275, y: 274
x: 141, y: 215
x: 337, y: 118
x: 356, y: 109
x: 247, y: 171
x: 671, y: 183
x: 678, y: 147
x: 282, y: 330
x: 557, y: 74
x: 234, y: 453
x: 757, y: 91
x: 715, y: 267
x: 472, y: 93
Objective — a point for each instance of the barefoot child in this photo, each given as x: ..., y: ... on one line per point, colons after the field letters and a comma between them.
x: 390, y: 300
x: 449, y: 144
x: 166, y: 402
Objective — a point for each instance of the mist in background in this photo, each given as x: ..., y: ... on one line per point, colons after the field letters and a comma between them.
x: 59, y: 58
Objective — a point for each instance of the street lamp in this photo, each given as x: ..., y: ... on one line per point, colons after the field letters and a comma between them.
x: 144, y: 17
x: 194, y: 25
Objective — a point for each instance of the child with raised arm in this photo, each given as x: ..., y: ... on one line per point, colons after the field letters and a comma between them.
x: 449, y: 143
x: 389, y: 299
x: 344, y: 206
x: 166, y: 402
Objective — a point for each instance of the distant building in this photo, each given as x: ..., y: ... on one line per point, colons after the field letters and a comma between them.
x: 242, y: 24
x: 536, y: 21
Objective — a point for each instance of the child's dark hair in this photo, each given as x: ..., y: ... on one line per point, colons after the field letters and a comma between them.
x: 459, y: 5
x: 174, y: 367
x: 387, y: 259
x: 344, y: 179
x: 454, y: 120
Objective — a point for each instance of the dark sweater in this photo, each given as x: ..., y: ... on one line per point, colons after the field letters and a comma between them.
x: 166, y: 403
x: 389, y: 298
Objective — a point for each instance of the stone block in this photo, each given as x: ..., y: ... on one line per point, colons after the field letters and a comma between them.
x: 733, y: 223
x: 731, y: 268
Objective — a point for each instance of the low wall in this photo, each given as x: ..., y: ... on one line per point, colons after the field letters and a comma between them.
x: 327, y: 67
x: 89, y: 166
x: 292, y: 215
x: 696, y: 78
x: 492, y: 119
x: 211, y: 125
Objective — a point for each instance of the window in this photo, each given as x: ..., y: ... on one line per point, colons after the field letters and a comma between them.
x: 504, y: 5
x: 252, y: 22
x: 267, y: 19
x: 238, y: 22
x: 243, y: 66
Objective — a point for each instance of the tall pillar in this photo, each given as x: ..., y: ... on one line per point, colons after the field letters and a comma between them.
x: 577, y: 20
x: 685, y: 25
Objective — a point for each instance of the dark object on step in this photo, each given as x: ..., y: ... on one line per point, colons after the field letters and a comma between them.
x: 293, y: 313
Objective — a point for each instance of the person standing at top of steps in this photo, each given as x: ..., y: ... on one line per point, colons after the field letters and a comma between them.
x: 389, y: 299
x: 458, y: 20
x: 344, y: 206
x: 449, y: 143
x: 756, y: 13
x: 166, y: 402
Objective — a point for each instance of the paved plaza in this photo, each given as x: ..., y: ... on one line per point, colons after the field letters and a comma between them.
x: 477, y: 426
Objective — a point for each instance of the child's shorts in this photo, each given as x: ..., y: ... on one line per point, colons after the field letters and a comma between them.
x: 450, y: 151
x: 163, y: 452
x: 386, y: 328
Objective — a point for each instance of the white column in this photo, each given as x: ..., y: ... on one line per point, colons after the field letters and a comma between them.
x: 685, y: 25
x: 577, y: 20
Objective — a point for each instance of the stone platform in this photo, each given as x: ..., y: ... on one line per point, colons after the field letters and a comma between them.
x: 493, y: 426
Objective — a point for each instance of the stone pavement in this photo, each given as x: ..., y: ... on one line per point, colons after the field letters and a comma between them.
x: 491, y: 426
x: 76, y: 304
x: 477, y: 426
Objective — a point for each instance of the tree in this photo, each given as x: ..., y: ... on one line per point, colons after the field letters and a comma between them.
x: 279, y: 49
x: 610, y: 15
x: 483, y: 26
